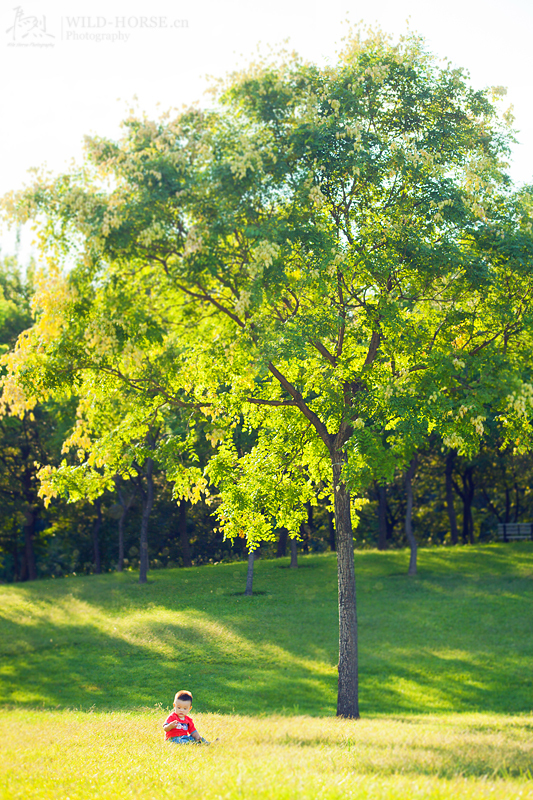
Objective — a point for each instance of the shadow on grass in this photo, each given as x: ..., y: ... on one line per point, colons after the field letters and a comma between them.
x: 106, y: 673
x: 443, y: 642
x: 467, y: 756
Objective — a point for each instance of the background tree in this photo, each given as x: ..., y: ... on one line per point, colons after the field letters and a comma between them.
x: 30, y: 435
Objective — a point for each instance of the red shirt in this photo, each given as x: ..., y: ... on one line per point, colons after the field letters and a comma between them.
x: 185, y: 726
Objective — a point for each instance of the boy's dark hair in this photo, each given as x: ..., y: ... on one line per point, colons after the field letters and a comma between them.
x: 187, y: 696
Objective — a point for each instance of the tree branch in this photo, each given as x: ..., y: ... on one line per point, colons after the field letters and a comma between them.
x: 205, y: 296
x: 137, y: 385
x: 302, y: 405
x: 342, y: 329
x: 323, y: 350
x: 340, y: 337
x: 508, y: 331
x: 373, y: 348
x: 260, y: 402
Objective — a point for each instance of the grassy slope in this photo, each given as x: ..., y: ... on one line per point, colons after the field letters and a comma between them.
x: 456, y: 638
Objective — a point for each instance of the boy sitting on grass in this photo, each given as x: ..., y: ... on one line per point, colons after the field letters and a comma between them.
x: 179, y: 727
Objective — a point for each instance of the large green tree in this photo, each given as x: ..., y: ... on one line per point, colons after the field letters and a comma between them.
x: 332, y: 256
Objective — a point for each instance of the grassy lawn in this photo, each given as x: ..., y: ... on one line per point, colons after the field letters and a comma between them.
x: 89, y: 666
x: 76, y: 755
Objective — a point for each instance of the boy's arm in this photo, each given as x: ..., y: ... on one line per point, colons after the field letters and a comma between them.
x: 194, y: 733
x: 169, y: 725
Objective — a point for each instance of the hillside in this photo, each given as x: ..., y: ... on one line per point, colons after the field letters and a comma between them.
x: 455, y: 638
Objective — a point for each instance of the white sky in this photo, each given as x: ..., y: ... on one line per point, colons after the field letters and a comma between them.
x: 51, y: 95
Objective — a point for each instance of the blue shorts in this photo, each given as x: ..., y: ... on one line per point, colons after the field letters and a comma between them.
x: 182, y: 739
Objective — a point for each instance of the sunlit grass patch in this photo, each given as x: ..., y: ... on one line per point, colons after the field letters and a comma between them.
x: 80, y: 755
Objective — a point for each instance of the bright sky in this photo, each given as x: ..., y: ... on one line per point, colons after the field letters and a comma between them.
x: 59, y: 82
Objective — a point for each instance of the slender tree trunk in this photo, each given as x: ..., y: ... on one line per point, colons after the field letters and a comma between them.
x: 16, y: 571
x: 409, y: 475
x: 96, y: 536
x: 306, y: 528
x: 120, y: 562
x: 281, y: 549
x: 331, y: 523
x: 294, y: 554
x: 507, y: 503
x: 29, y: 569
x: 390, y: 519
x: 450, y: 458
x: 391, y: 522
x: 184, y: 539
x: 148, y: 501
x: 348, y: 691
x: 250, y: 574
x: 310, y: 524
x: 382, y: 516
x: 468, y: 497
x: 122, y: 519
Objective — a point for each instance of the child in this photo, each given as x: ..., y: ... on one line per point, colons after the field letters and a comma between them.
x: 179, y: 727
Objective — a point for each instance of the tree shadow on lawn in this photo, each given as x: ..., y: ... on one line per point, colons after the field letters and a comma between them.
x: 506, y: 560
x: 467, y: 753
x: 106, y: 672
x: 420, y: 651
x: 472, y: 683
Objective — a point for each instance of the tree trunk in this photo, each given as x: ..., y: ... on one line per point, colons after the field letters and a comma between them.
x: 294, y: 554
x: 148, y: 501
x: 391, y: 522
x: 382, y: 517
x: 450, y: 458
x: 507, y: 504
x: 184, y: 539
x: 348, y: 691
x: 96, y: 537
x: 16, y: 571
x: 468, y: 497
x: 332, y: 542
x: 250, y: 574
x: 122, y: 519
x: 409, y: 475
x: 29, y: 569
x: 306, y: 528
x: 120, y: 562
x: 281, y: 549
x: 310, y: 524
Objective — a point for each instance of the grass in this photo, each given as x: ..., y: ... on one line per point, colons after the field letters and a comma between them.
x: 88, y: 668
x: 76, y: 755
